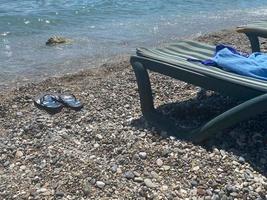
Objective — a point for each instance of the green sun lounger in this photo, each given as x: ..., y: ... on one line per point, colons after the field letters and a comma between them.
x: 172, y: 61
x: 253, y: 32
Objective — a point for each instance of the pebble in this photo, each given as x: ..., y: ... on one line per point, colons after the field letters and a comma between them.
x: 100, y: 184
x: 159, y: 162
x: 41, y: 190
x: 98, y: 136
x: 22, y: 167
x: 59, y: 193
x: 164, y: 188
x: 119, y: 171
x: 234, y: 194
x: 19, y: 154
x: 154, y: 175
x: 194, y: 183
x: 148, y: 182
x: 138, y: 179
x: 165, y: 152
x: 230, y: 188
x: 114, y: 168
x: 201, y: 191
x: 86, y: 188
x: 166, y: 167
x: 6, y: 163
x: 196, y: 168
x: 224, y: 197
x: 215, y: 197
x: 207, y: 198
x: 96, y: 145
x: 129, y: 175
x: 142, y: 155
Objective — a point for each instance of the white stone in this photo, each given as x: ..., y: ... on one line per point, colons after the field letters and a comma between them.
x: 19, y: 154
x: 196, y: 168
x: 100, y: 184
x: 142, y: 155
x: 159, y: 162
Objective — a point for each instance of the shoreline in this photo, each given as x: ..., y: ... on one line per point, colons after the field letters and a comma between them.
x: 108, y: 151
x: 21, y: 82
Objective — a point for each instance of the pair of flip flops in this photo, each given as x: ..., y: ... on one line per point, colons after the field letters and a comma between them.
x: 55, y: 102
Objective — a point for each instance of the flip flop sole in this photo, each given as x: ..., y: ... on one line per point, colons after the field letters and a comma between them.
x: 70, y: 101
x: 48, y: 102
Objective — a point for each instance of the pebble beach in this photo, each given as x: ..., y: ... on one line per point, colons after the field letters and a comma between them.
x: 108, y: 151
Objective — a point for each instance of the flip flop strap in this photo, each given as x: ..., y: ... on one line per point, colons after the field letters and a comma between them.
x: 71, y: 96
x: 43, y: 98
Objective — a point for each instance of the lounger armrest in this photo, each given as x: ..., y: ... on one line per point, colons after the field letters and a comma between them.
x: 253, y: 32
x: 259, y: 32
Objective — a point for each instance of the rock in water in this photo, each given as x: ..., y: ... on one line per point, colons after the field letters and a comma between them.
x: 57, y: 40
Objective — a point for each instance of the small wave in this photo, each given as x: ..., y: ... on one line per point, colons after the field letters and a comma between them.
x: 5, y: 33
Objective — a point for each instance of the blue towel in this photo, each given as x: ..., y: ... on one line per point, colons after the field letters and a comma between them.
x: 229, y: 59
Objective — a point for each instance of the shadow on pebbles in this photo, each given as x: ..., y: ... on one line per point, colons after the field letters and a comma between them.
x: 108, y: 151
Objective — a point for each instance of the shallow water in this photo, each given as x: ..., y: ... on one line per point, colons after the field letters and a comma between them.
x: 103, y: 28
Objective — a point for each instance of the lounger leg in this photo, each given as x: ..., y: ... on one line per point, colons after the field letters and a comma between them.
x: 144, y: 88
x: 254, y: 42
x: 151, y: 115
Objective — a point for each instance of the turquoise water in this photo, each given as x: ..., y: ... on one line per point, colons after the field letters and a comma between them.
x: 101, y: 29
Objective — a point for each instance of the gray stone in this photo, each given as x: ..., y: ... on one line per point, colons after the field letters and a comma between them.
x: 221, y: 194
x: 224, y: 197
x: 230, y: 188
x: 215, y: 197
x: 114, y: 168
x: 148, y: 182
x: 165, y: 152
x: 86, y: 189
x: 194, y: 183
x: 129, y: 175
x: 234, y: 194
x: 207, y: 198
x: 138, y: 179
x: 59, y: 193
x: 6, y: 163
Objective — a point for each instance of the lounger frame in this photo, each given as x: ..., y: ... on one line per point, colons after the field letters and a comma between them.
x: 253, y: 32
x: 254, y: 100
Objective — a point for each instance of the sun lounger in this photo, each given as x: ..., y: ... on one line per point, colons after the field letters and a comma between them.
x: 172, y: 61
x: 253, y: 32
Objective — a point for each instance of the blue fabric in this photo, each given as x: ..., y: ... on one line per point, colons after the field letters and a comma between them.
x: 229, y: 59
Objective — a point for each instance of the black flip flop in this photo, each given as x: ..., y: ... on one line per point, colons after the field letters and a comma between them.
x: 48, y: 102
x: 71, y: 101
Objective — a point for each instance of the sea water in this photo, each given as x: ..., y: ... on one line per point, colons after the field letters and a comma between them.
x: 102, y: 29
